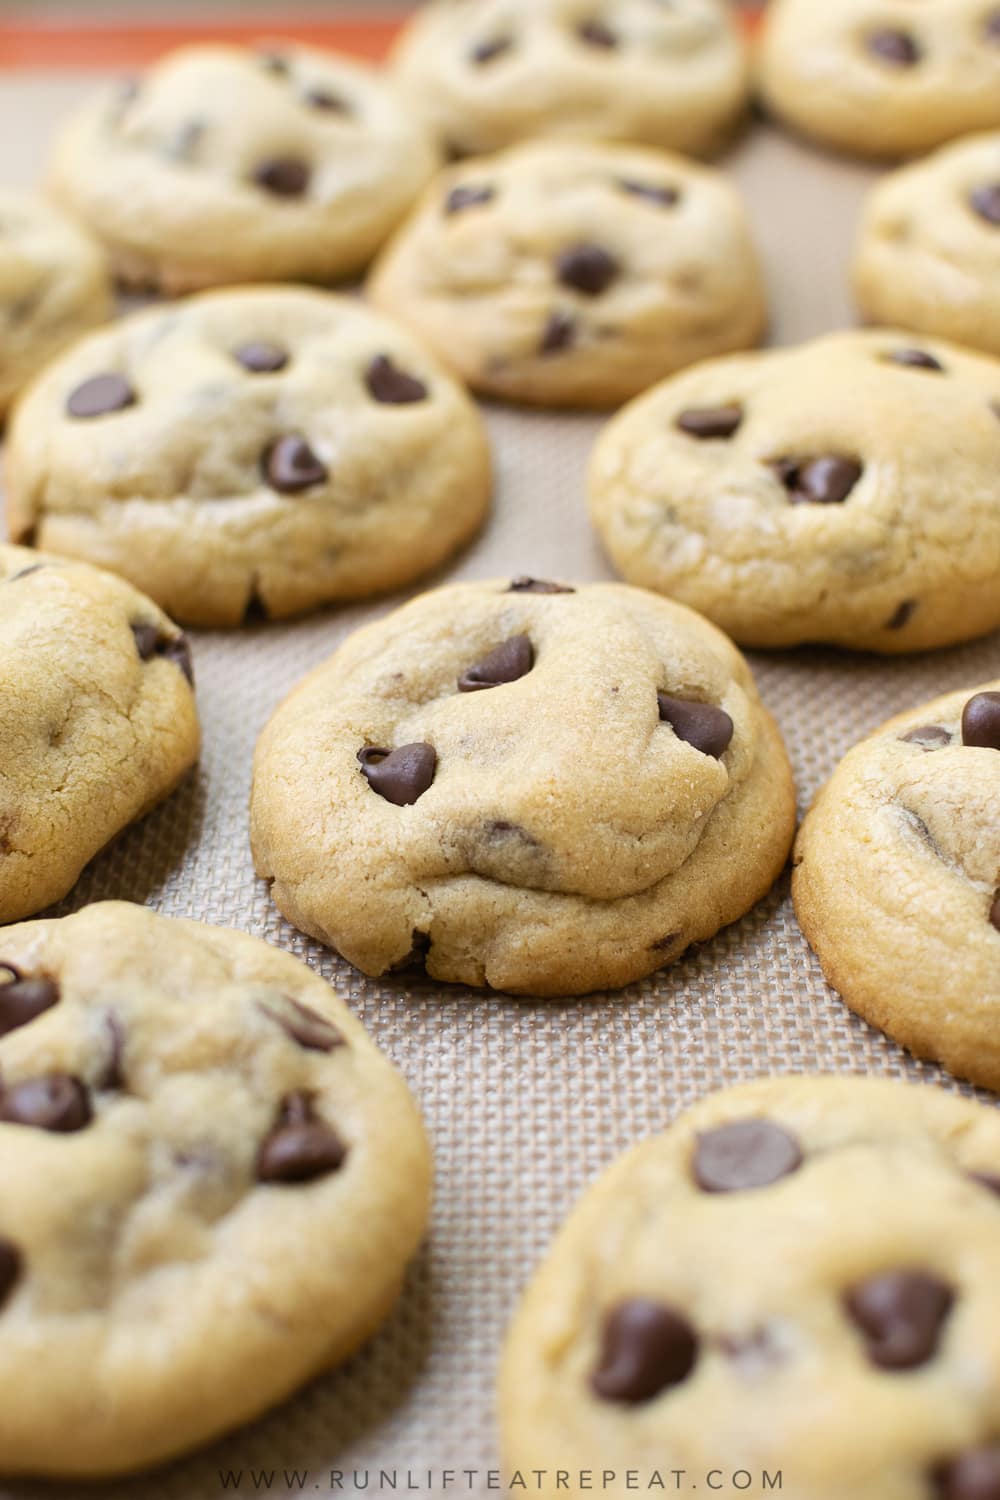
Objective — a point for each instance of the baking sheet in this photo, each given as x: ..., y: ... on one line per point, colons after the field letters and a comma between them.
x: 526, y: 1102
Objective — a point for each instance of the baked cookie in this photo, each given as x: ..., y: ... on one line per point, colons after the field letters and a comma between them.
x: 882, y: 77
x: 487, y: 73
x: 544, y: 789
x: 221, y: 165
x: 259, y: 449
x: 54, y: 285
x: 793, y: 1289
x: 97, y: 720
x: 213, y: 1182
x: 842, y: 491
x: 578, y: 275
x: 897, y: 885
x: 928, y: 255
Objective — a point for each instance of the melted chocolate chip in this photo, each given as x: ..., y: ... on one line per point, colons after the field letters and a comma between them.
x: 710, y: 421
x: 489, y: 50
x: 525, y: 585
x: 989, y: 1180
x: 261, y: 358
x: 902, y: 1315
x: 981, y: 721
x: 305, y: 1026
x: 10, y: 1268
x: 897, y: 48
x: 300, y: 1148
x: 58, y: 1101
x: 587, y: 269
x: 514, y: 659
x: 468, y: 195
x: 650, y: 192
x: 401, y: 776
x: 326, y: 100
x: 149, y: 643
x: 985, y: 201
x: 703, y: 725
x: 818, y: 481
x: 392, y: 386
x: 113, y: 1076
x: 23, y: 998
x: 284, y: 176
x: 290, y: 465
x: 974, y: 1475
x: 646, y: 1347
x: 744, y: 1154
x: 597, y: 34
x: 559, y: 333
x: 100, y: 396
x: 927, y: 736
x: 915, y: 359
x: 902, y: 616
x: 995, y: 912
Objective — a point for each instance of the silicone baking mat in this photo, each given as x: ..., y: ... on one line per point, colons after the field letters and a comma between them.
x: 525, y: 1102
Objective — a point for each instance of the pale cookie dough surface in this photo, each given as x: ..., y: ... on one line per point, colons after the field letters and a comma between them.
x: 897, y: 885
x: 213, y: 1182
x: 264, y: 449
x: 797, y: 1279
x: 487, y: 73
x: 224, y: 165
x: 575, y: 274
x: 551, y: 833
x: 54, y: 285
x: 842, y: 491
x: 928, y: 254
x: 97, y: 720
x: 882, y: 77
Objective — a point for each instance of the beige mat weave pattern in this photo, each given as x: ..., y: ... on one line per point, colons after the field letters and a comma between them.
x: 525, y: 1102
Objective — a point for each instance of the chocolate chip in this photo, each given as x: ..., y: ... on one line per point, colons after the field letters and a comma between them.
x: 974, y: 1475
x: 646, y: 1347
x: 897, y: 48
x: 710, y: 421
x: 468, y: 195
x: 514, y: 659
x: 326, y: 100
x: 981, y: 721
x: 56, y: 1101
x: 818, y: 481
x: 559, y: 333
x: 989, y: 1180
x: 304, y: 1026
x: 744, y: 1154
x: 391, y: 385
x: 99, y: 396
x: 587, y: 269
x: 488, y: 51
x: 113, y: 1076
x: 902, y: 616
x: 927, y: 736
x: 525, y: 585
x: 901, y: 1314
x: 401, y: 776
x: 23, y: 998
x: 915, y: 359
x: 995, y: 912
x: 290, y: 465
x: 985, y: 201
x: 663, y: 197
x: 596, y: 34
x: 300, y: 1148
x: 10, y: 1268
x: 284, y: 176
x: 149, y: 643
x: 261, y: 358
x: 703, y: 725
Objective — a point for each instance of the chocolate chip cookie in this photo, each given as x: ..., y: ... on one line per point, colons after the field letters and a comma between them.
x: 883, y: 77
x: 928, y: 255
x: 797, y: 1280
x: 897, y: 885
x: 542, y: 788
x: 97, y: 720
x: 225, y: 165
x: 841, y: 491
x: 259, y: 450
x: 578, y: 275
x: 54, y: 285
x: 213, y: 1182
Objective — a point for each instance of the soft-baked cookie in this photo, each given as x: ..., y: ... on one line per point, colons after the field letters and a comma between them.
x: 793, y: 1289
x: 213, y: 1182
x: 928, y: 254
x: 260, y: 449
x: 897, y: 885
x: 544, y: 789
x: 843, y: 491
x: 221, y: 165
x: 882, y: 77
x: 54, y: 285
x: 577, y: 274
x: 97, y: 720
x: 487, y: 73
